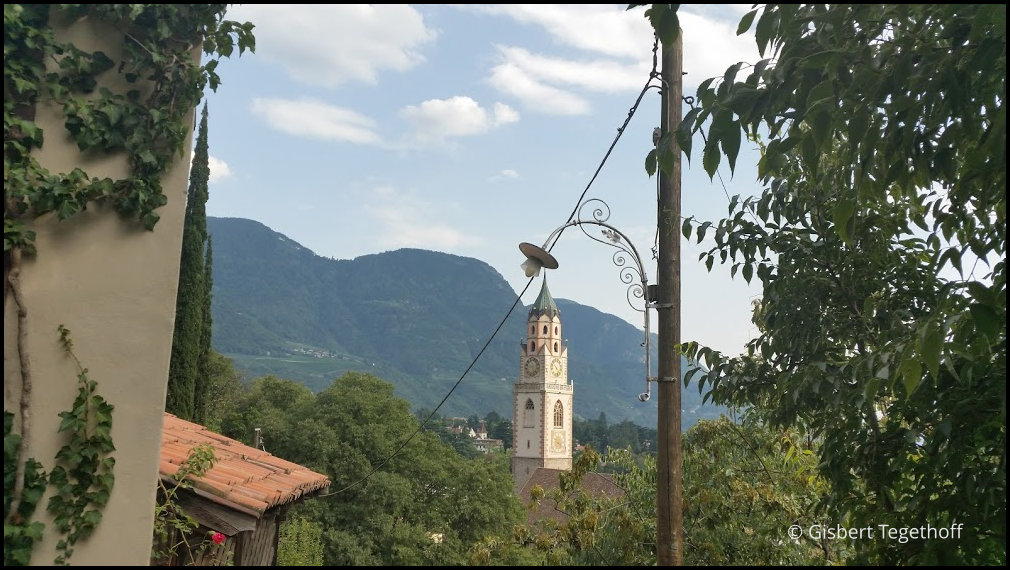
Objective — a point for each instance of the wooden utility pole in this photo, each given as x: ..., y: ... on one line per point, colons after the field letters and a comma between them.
x: 669, y: 501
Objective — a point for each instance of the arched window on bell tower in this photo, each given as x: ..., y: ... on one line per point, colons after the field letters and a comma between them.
x: 559, y: 415
x: 528, y: 414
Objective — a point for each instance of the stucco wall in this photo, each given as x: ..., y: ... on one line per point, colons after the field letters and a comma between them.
x: 113, y: 284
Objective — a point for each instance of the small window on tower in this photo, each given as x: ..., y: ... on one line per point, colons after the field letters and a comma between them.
x: 555, y: 347
x: 528, y: 414
x: 545, y: 329
x: 559, y: 415
x: 533, y: 329
x: 533, y: 346
x: 555, y: 330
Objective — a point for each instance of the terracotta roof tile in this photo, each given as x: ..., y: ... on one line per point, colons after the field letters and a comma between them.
x: 243, y: 476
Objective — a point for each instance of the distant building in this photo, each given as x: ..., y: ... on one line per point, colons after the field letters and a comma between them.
x: 542, y: 395
x: 481, y: 441
x: 542, y: 409
x: 487, y: 445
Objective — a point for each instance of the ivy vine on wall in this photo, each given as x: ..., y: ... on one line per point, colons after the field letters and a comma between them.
x: 148, y: 123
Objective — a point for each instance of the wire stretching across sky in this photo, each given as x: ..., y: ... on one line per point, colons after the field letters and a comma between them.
x: 620, y: 131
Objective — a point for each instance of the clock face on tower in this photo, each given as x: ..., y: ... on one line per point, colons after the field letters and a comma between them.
x: 531, y: 366
x: 558, y: 441
x: 556, y: 368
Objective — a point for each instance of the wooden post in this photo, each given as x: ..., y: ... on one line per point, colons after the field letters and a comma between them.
x: 669, y: 502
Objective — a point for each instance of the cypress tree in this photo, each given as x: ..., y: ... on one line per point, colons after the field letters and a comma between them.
x: 203, y: 372
x: 189, y: 322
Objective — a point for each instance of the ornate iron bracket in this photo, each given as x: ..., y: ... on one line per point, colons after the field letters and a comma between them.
x: 596, y: 212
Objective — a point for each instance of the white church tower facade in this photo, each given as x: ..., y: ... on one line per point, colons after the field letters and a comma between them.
x: 542, y: 395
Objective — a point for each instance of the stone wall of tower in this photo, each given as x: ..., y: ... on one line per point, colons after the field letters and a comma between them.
x: 542, y: 396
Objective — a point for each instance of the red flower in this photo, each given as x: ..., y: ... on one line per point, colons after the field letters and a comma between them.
x: 218, y: 538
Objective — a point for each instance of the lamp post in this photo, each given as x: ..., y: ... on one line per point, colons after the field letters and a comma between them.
x: 596, y: 212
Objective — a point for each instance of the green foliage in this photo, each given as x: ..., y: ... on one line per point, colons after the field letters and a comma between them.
x: 438, y: 426
x: 598, y: 434
x: 880, y: 244
x: 83, y: 475
x: 664, y: 20
x: 596, y: 530
x: 744, y: 486
x: 223, y: 392
x: 300, y: 543
x: 499, y: 427
x: 187, y: 372
x: 147, y: 122
x: 399, y: 496
x: 20, y: 532
x: 174, y: 540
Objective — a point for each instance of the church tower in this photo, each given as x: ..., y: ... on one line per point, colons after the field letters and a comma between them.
x: 542, y: 395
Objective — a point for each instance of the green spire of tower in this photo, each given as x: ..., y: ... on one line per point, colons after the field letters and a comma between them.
x: 544, y: 304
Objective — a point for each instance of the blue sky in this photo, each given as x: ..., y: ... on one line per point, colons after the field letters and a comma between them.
x: 467, y: 129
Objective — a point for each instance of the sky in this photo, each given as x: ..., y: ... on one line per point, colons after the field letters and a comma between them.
x: 467, y: 129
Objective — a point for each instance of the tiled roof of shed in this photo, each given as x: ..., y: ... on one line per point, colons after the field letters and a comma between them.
x: 243, y: 477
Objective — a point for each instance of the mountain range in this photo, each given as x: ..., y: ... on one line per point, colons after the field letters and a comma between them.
x: 416, y: 318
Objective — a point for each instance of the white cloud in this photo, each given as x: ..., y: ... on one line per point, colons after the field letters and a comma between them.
x: 318, y: 120
x: 439, y: 119
x: 506, y: 174
x: 561, y: 84
x: 218, y: 168
x: 606, y: 76
x: 607, y: 29
x: 535, y: 93
x: 332, y: 44
x: 410, y: 221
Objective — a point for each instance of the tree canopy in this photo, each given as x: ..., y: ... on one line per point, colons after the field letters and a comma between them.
x: 744, y: 482
x: 879, y: 239
x: 399, y: 496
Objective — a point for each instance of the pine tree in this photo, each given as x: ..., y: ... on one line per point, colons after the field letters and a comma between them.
x: 192, y: 295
